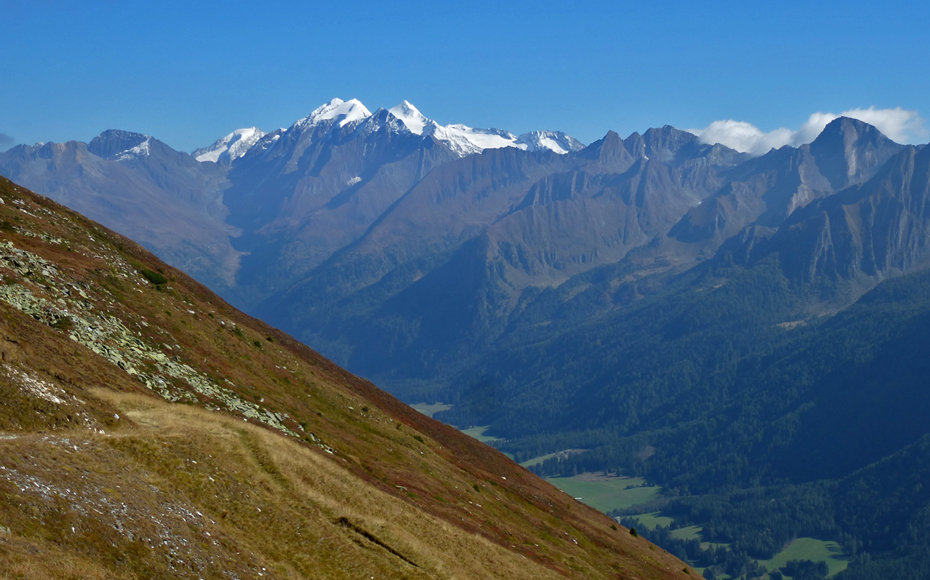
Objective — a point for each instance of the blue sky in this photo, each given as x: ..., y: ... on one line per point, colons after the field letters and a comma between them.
x: 190, y: 72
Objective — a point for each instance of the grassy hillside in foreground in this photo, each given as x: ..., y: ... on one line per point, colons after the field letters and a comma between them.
x: 148, y: 430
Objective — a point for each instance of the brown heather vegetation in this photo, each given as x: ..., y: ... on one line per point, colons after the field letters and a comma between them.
x: 100, y: 477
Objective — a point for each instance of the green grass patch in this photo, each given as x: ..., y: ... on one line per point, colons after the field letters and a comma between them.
x: 606, y: 493
x: 537, y: 460
x: 688, y: 533
x: 429, y: 410
x: 478, y: 433
x: 652, y: 521
x: 813, y: 550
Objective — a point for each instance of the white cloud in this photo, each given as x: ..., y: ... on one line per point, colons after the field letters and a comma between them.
x: 901, y: 125
x: 898, y: 124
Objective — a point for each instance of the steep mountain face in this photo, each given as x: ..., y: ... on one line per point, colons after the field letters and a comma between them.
x: 123, y: 145
x: 150, y: 430
x: 140, y: 187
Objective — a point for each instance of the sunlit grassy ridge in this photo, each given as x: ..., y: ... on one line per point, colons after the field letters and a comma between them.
x: 149, y: 430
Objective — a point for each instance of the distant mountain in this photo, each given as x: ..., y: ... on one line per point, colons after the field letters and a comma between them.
x: 349, y: 227
x: 820, y: 259
x: 766, y: 190
x: 140, y: 187
x: 308, y: 191
x: 148, y: 429
x: 303, y: 193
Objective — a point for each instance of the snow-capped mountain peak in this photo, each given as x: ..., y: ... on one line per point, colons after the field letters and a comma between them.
x: 343, y: 111
x: 230, y: 147
x: 336, y: 114
x: 119, y: 145
x: 410, y: 116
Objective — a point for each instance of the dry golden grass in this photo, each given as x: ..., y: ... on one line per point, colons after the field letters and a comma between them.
x: 281, y: 473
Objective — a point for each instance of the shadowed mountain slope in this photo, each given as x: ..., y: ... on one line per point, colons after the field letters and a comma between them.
x: 436, y: 277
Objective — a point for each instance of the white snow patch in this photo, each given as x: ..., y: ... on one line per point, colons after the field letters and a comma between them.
x: 231, y: 147
x: 140, y: 150
x: 555, y: 141
x: 466, y: 140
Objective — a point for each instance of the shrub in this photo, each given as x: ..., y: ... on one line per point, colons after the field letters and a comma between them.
x: 153, y: 277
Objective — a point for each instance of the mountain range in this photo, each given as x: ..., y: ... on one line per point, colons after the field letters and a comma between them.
x: 721, y: 324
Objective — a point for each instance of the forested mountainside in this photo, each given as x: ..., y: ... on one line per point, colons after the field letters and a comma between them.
x: 150, y: 430
x: 766, y: 414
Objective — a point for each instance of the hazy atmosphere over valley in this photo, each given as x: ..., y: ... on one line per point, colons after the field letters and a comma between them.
x: 464, y: 290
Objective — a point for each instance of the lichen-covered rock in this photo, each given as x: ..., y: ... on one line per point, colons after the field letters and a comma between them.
x: 107, y: 336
